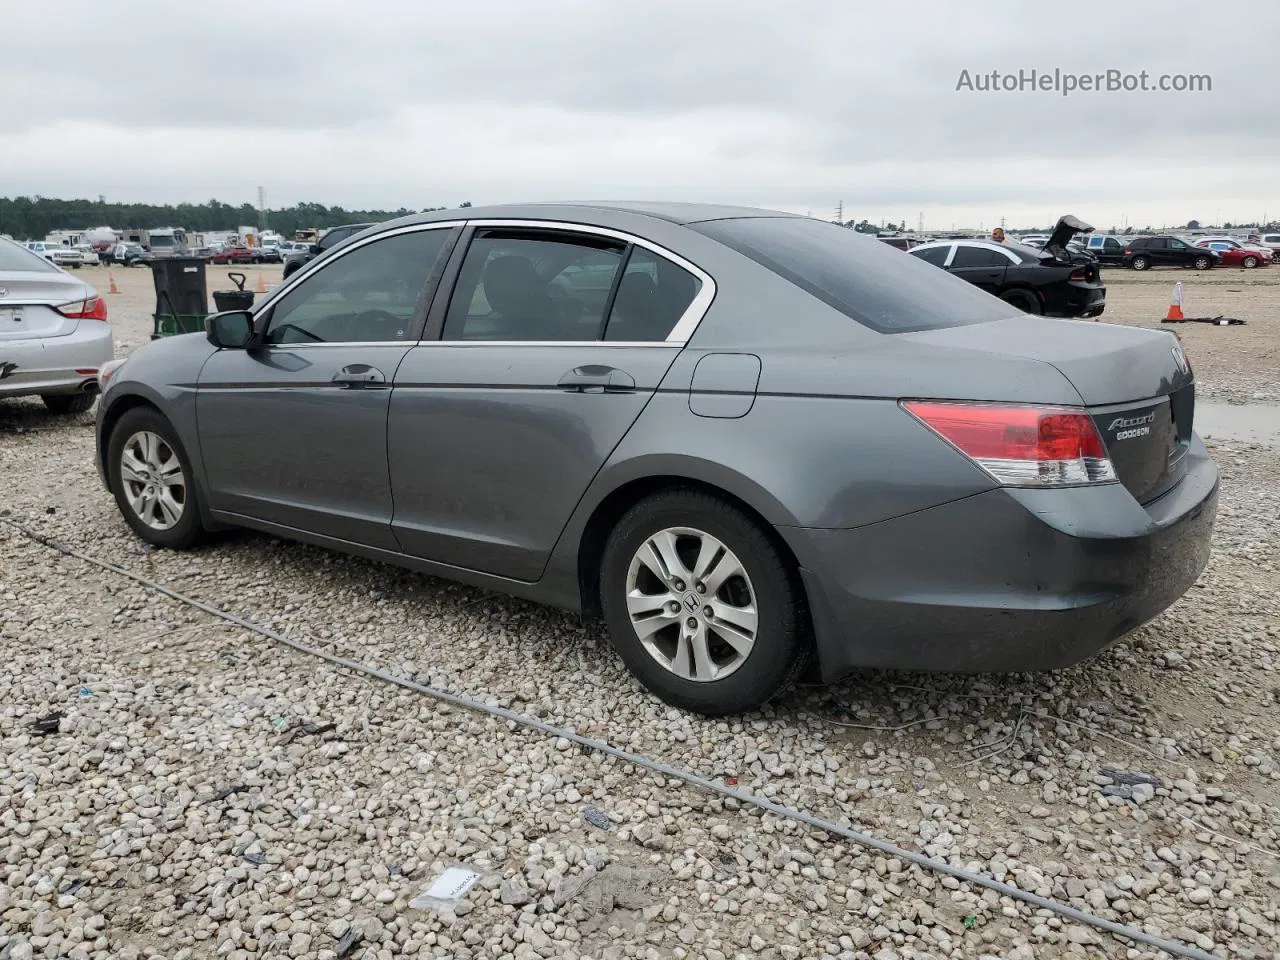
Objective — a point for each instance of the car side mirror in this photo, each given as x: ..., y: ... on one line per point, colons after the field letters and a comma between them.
x: 231, y: 330
x: 317, y: 249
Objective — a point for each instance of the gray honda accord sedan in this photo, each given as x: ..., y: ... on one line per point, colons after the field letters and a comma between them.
x: 745, y: 439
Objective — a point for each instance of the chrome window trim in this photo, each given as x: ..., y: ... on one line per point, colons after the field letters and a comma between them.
x: 684, y: 327
x: 410, y: 344
x: 310, y: 268
x: 679, y: 335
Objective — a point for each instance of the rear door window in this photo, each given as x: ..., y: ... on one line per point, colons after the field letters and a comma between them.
x: 967, y: 256
x: 652, y: 296
x: 534, y: 285
x: 866, y: 280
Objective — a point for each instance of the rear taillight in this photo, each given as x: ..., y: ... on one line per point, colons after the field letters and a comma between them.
x: 1021, y: 446
x: 92, y: 308
x: 1081, y: 274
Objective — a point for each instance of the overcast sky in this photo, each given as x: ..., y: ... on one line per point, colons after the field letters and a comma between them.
x: 390, y: 103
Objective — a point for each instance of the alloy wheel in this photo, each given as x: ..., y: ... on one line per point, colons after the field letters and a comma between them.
x: 691, y: 604
x: 154, y: 483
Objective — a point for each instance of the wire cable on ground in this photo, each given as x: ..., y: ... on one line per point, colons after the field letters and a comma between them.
x: 656, y: 766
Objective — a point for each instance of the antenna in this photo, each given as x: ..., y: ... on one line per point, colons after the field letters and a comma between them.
x: 262, y: 211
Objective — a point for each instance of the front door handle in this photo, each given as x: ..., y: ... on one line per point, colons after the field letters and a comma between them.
x: 359, y: 376
x: 597, y: 378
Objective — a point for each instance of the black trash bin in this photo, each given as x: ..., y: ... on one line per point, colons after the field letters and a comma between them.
x: 182, y: 295
x: 181, y: 286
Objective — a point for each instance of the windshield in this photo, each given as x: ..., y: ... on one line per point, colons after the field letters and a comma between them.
x: 866, y: 280
x: 16, y: 258
x: 161, y: 241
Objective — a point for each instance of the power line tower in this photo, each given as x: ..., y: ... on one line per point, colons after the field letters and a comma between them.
x: 262, y: 210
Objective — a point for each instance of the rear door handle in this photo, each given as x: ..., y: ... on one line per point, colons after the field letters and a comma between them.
x: 359, y: 376
x: 597, y: 378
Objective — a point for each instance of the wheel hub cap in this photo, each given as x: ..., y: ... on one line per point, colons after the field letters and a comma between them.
x: 691, y: 604
x: 152, y: 479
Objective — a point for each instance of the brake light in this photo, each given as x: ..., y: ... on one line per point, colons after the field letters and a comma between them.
x: 1127, y: 251
x: 1081, y: 274
x: 1021, y: 446
x: 91, y: 308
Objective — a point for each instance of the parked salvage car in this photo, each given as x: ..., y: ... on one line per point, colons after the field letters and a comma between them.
x: 1272, y: 240
x: 125, y: 254
x: 331, y: 238
x: 237, y: 255
x: 54, y: 337
x: 1054, y: 281
x: 1230, y: 255
x: 597, y: 407
x: 1108, y: 250
x: 902, y: 242
x: 1144, y: 253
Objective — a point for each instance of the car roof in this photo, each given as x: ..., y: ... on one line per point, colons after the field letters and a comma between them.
x: 600, y: 213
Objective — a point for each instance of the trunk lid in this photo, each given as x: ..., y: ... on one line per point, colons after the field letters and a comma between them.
x: 27, y: 306
x: 1066, y: 228
x: 1136, y: 384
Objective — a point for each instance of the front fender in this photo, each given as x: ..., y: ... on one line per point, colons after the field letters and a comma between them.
x: 162, y: 374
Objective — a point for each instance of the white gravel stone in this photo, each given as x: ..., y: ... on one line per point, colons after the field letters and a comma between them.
x: 167, y: 710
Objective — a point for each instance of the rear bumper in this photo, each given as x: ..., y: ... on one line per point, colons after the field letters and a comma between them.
x: 1007, y: 580
x: 49, y: 365
x: 1082, y: 300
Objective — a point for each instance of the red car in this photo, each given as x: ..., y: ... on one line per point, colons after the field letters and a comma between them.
x: 1235, y: 256
x: 237, y: 255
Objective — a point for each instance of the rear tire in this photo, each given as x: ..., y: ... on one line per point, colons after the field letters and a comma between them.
x: 142, y: 453
x: 1024, y: 300
x: 68, y: 403
x: 725, y: 649
x: 1202, y: 263
x: 1140, y: 263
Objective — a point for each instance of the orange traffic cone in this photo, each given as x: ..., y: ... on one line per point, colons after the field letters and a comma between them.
x: 114, y: 288
x: 1175, y: 306
x: 262, y: 284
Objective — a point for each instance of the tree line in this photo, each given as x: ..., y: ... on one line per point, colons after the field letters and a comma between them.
x: 34, y: 218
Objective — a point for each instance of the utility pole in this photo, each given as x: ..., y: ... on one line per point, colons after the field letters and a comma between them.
x: 840, y: 213
x: 262, y: 211
x: 920, y: 222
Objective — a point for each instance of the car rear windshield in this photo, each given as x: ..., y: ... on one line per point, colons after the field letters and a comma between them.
x: 868, y: 281
x: 20, y: 259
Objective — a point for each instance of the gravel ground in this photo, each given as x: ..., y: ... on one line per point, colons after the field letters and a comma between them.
x: 182, y: 809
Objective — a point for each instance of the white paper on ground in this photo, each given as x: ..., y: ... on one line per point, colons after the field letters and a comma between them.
x: 447, y: 889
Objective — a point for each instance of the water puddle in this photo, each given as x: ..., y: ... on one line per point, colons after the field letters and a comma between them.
x: 1246, y: 423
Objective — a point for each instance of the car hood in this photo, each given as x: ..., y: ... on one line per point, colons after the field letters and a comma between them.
x: 1067, y: 227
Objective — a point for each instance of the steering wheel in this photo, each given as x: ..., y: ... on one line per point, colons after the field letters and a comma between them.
x: 385, y: 322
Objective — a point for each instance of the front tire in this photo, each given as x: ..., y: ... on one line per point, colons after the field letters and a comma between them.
x: 152, y: 480
x: 68, y: 403
x: 1202, y: 263
x: 1249, y: 262
x: 701, y: 605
